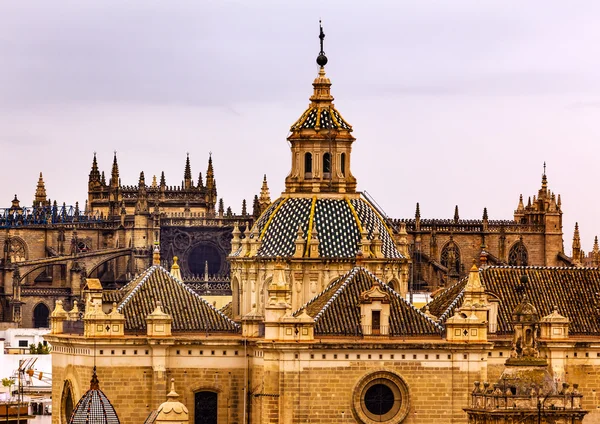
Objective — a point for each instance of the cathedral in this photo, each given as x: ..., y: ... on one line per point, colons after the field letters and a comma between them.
x: 319, y: 328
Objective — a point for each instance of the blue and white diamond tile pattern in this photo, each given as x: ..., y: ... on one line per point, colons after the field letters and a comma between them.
x: 370, y: 221
x: 311, y: 120
x: 336, y: 229
x: 283, y: 229
x: 94, y: 407
x: 343, y: 124
x: 262, y: 220
x: 328, y: 118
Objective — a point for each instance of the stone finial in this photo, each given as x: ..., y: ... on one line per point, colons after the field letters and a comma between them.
x: 299, y: 243
x: 175, y: 271
x: 57, y: 318
x: 156, y: 254
x: 74, y: 312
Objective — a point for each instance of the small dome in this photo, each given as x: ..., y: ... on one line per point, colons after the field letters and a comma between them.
x: 337, y: 223
x: 172, y: 410
x: 94, y: 407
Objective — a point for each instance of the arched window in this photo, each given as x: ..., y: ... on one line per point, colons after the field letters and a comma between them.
x: 308, y: 164
x: 205, y: 408
x: 40, y: 316
x: 235, y: 298
x: 67, y: 402
x: 326, y: 163
x: 518, y: 255
x: 343, y: 164
x: 450, y: 257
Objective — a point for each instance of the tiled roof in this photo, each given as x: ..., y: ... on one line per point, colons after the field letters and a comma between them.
x: 444, y: 304
x: 189, y: 311
x: 336, y: 223
x: 227, y: 310
x: 574, y: 291
x: 110, y: 296
x: 322, y: 116
x: 336, y: 310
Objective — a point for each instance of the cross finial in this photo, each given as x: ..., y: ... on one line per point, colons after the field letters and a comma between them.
x: 321, y: 36
x: 321, y: 59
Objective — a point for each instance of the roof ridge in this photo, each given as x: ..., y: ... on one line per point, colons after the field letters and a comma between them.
x: 155, y: 268
x: 321, y: 292
x: 185, y: 286
x: 542, y: 267
x: 142, y: 279
x: 351, y: 274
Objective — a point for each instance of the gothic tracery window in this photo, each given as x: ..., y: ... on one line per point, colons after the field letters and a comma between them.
x: 16, y: 250
x: 450, y: 257
x: 518, y: 255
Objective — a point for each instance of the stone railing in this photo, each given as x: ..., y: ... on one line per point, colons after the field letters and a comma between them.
x: 493, y: 398
x: 469, y: 226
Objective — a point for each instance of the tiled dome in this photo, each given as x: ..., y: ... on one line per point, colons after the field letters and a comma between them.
x: 94, y: 407
x: 336, y: 222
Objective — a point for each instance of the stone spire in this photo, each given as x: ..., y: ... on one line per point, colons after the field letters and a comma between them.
x: 200, y: 181
x: 141, y: 205
x: 163, y: 182
x: 221, y: 207
x: 94, y: 173
x: 595, y: 253
x: 520, y: 207
x: 244, y: 210
x: 211, y: 186
x: 576, y: 245
x: 544, y: 179
x: 265, y: 197
x: 456, y: 216
x: 114, y: 175
x: 187, y: 176
x: 40, y: 193
x: 255, y: 207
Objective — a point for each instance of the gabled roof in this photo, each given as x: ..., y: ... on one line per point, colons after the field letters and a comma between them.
x: 574, y: 291
x: 447, y: 301
x: 189, y: 311
x: 336, y: 310
x: 227, y: 310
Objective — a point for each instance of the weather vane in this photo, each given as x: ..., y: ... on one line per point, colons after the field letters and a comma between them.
x: 321, y: 59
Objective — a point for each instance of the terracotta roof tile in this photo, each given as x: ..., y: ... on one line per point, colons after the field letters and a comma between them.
x: 574, y: 291
x: 336, y: 310
x: 189, y: 311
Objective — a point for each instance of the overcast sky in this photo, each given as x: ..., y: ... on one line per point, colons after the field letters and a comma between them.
x: 455, y: 102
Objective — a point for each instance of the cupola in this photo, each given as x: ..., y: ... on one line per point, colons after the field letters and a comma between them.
x: 321, y: 142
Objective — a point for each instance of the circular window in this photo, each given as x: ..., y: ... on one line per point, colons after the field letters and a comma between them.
x: 381, y: 397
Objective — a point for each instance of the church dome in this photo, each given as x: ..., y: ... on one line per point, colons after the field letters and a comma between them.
x: 172, y: 411
x: 339, y: 225
x: 94, y: 407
